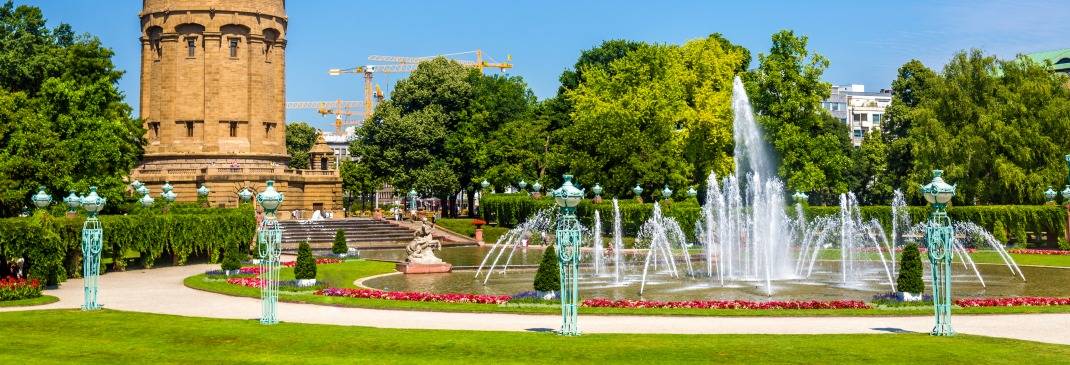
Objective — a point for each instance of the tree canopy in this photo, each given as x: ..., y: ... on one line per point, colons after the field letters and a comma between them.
x: 994, y: 126
x: 63, y: 122
x: 300, y: 138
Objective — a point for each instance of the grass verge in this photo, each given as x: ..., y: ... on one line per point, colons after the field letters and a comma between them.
x: 72, y: 336
x: 41, y: 300
x: 342, y: 276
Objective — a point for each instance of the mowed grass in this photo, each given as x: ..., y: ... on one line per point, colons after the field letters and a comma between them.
x: 41, y: 300
x: 343, y: 275
x: 114, y: 337
x: 980, y: 257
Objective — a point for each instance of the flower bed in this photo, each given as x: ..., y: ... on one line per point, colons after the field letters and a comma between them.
x: 1039, y: 252
x: 1012, y: 302
x: 16, y: 289
x: 319, y: 261
x: 249, y: 282
x: 414, y: 296
x: 726, y: 304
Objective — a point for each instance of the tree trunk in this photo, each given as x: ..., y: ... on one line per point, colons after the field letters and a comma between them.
x: 471, y: 203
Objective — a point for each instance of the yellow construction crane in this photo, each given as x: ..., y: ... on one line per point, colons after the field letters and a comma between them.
x: 368, y: 71
x: 479, y: 63
x: 342, y: 110
x: 403, y: 64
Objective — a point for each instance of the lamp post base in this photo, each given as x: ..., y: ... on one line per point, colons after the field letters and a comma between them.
x: 942, y: 330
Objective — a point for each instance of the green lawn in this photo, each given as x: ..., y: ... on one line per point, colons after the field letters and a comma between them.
x: 113, y: 337
x: 464, y: 226
x: 980, y: 257
x: 342, y: 275
x: 41, y: 300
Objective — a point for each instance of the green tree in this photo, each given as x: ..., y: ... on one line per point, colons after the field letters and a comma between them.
x: 359, y: 181
x: 340, y: 246
x: 786, y: 91
x: 305, y: 267
x: 63, y: 122
x: 999, y: 232
x: 300, y: 137
x: 910, y: 271
x: 548, y: 276
x: 869, y: 178
x: 659, y: 114
x: 992, y: 125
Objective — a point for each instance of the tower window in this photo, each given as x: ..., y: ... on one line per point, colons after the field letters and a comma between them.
x: 191, y: 47
x: 268, y: 127
x: 233, y: 129
x: 189, y: 129
x: 155, y: 128
x: 233, y: 48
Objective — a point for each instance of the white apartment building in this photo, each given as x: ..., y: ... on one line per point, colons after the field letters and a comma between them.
x: 862, y: 111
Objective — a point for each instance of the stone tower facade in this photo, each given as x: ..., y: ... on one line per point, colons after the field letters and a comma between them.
x: 213, y: 98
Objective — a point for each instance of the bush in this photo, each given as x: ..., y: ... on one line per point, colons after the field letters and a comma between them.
x: 1020, y: 237
x: 340, y: 246
x: 305, y: 268
x: 232, y: 258
x: 548, y: 278
x: 16, y: 289
x: 910, y: 271
x: 999, y: 232
x: 1064, y: 245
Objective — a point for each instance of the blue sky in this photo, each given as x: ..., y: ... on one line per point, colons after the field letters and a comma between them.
x: 865, y: 41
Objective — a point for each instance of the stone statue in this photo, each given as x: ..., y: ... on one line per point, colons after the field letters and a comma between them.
x: 421, y: 249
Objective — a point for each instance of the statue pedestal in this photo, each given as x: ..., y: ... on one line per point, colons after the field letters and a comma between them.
x: 415, y: 268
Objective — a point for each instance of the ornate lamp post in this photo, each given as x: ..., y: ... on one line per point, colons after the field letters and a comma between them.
x: 597, y: 190
x: 638, y: 190
x: 245, y: 195
x: 269, y: 239
x: 92, y: 238
x: 938, y: 236
x: 73, y: 202
x: 523, y: 184
x: 412, y: 201
x: 1049, y: 195
x: 146, y: 200
x: 567, y: 197
x: 666, y: 193
x: 168, y: 195
x: 536, y: 190
x: 42, y: 199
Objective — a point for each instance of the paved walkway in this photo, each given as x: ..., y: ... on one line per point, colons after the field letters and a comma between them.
x: 161, y: 291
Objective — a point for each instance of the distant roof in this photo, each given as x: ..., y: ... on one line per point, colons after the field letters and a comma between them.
x: 1060, y: 58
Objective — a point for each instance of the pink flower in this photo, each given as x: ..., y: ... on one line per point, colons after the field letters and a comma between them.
x: 1039, y: 252
x: 318, y: 262
x: 1012, y: 302
x: 725, y: 304
x: 414, y: 296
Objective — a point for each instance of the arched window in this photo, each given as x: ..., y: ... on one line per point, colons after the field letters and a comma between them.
x: 323, y: 163
x: 154, y: 33
x: 191, y: 35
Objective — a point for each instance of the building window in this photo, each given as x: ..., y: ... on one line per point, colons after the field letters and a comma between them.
x: 233, y: 129
x: 858, y: 133
x: 191, y: 47
x: 861, y: 117
x: 877, y: 118
x: 233, y: 48
x: 323, y: 163
x: 189, y: 129
x: 154, y: 127
x: 268, y: 127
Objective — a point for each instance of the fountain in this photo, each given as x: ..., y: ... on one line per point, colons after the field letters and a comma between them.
x: 598, y: 255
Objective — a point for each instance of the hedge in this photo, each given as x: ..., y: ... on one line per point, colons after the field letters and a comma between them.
x: 510, y: 209
x: 52, y: 245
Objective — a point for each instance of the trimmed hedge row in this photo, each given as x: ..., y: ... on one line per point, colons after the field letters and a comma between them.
x: 52, y: 245
x: 511, y: 209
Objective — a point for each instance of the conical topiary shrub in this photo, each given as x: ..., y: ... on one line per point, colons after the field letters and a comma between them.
x: 548, y: 278
x: 232, y: 258
x: 910, y: 271
x: 340, y: 246
x: 999, y: 232
x: 305, y: 268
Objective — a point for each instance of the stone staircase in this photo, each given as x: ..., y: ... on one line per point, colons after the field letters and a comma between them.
x: 360, y: 232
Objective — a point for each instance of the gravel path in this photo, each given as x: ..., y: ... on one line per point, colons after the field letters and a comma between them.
x: 161, y: 291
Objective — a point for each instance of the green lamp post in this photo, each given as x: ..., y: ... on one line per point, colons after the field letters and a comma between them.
x: 92, y: 239
x: 1049, y: 195
x: 597, y: 190
x: 412, y: 199
x: 536, y: 189
x: 938, y: 236
x: 146, y: 200
x: 523, y: 184
x: 73, y: 202
x: 567, y: 197
x: 42, y: 199
x: 666, y: 193
x: 269, y: 243
x: 638, y: 190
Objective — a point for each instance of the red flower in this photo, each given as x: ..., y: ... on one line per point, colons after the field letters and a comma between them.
x: 414, y: 296
x: 1039, y: 252
x: 1012, y: 302
x: 725, y: 304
